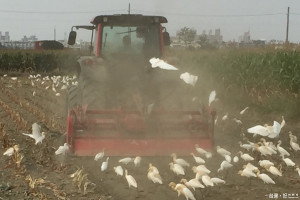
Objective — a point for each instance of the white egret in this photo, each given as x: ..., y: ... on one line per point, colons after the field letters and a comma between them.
x: 258, y: 130
x: 153, y: 168
x: 281, y: 150
x: 264, y: 163
x: 225, y: 117
x: 156, y: 62
x: 99, y: 156
x: 198, y: 159
x: 295, y: 146
x: 276, y: 128
x: 202, y: 151
x: 264, y: 177
x: 119, y: 170
x: 245, y: 156
x: 62, y: 149
x: 137, y: 161
x: 273, y: 170
x: 244, y: 110
x: 222, y: 151
x: 207, y: 181
x: 36, y: 133
x: 288, y: 161
x: 104, y: 164
x: 125, y: 160
x: 238, y: 121
x: 217, y: 181
x: 235, y: 159
x: 201, y: 168
x: 250, y: 167
x: 189, y: 78
x: 246, y: 146
x: 10, y: 151
x: 228, y: 158
x: 247, y: 173
x: 130, y: 180
x: 212, y: 97
x: 153, y: 176
x: 224, y: 165
x: 177, y: 169
x: 292, y: 137
x: 179, y: 161
x: 193, y: 183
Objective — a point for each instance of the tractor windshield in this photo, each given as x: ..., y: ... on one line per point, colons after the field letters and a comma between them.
x: 133, y: 40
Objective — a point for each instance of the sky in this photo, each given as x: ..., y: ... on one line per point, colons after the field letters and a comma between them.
x: 265, y: 19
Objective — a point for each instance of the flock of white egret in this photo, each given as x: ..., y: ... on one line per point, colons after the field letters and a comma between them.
x: 253, y: 158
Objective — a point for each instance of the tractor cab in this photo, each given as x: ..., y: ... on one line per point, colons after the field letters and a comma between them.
x: 132, y: 35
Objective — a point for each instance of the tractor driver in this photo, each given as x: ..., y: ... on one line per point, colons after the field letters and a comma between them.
x: 141, y: 32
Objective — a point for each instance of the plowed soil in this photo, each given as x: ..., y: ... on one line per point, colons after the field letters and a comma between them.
x: 43, y: 175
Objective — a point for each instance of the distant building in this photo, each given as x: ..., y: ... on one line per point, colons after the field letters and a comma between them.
x: 31, y: 38
x: 245, y: 38
x: 215, y: 39
x: 5, y: 37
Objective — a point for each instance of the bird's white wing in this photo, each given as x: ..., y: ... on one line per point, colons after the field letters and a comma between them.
x: 189, y: 78
x: 156, y: 62
x: 258, y: 129
x: 212, y: 97
x: 244, y: 110
x: 29, y: 135
x: 276, y: 128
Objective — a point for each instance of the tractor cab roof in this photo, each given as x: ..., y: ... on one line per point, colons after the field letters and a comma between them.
x: 128, y: 19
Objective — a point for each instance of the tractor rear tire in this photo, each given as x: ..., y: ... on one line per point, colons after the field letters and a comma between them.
x: 72, y: 98
x: 93, y: 93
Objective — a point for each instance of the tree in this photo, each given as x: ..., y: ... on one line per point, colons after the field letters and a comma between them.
x: 187, y: 35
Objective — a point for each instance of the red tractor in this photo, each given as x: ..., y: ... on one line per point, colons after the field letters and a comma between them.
x: 125, y: 106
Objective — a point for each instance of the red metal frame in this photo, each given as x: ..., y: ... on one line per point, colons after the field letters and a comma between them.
x: 119, y: 144
x: 99, y: 35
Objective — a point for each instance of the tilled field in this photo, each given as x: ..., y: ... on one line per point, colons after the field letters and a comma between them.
x: 37, y: 173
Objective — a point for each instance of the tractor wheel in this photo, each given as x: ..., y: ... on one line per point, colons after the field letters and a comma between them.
x: 93, y: 93
x: 72, y: 98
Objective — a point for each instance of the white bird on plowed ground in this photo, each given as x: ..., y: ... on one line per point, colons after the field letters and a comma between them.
x: 62, y: 149
x: 294, y: 145
x: 119, y: 170
x: 222, y: 151
x: 182, y: 190
x: 193, y: 183
x: 137, y: 161
x: 10, y: 151
x: 177, y: 169
x: 281, y: 150
x: 104, y: 164
x: 198, y: 159
x: 264, y: 177
x: 245, y: 156
x: 202, y: 151
x: 99, y: 156
x: 125, y: 160
x: 153, y: 174
x: 130, y: 180
x: 36, y: 133
x: 179, y: 161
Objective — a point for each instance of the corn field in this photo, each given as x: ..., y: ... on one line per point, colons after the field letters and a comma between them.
x: 36, y: 61
x: 267, y: 78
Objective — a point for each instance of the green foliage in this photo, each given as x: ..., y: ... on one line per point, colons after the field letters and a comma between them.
x: 266, y: 78
x: 37, y: 61
x: 187, y: 35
